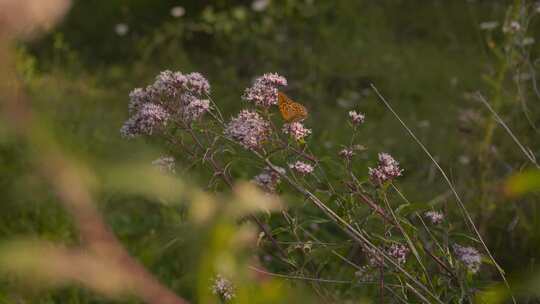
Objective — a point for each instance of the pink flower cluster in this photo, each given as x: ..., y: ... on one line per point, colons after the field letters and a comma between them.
x: 150, y: 119
x: 434, y: 217
x: 398, y: 252
x: 346, y: 153
x: 196, y: 84
x: 264, y: 90
x: 174, y: 84
x: 137, y: 98
x: 223, y: 288
x: 356, y: 118
x: 196, y: 108
x: 296, y: 130
x: 387, y: 169
x: 172, y: 96
x: 268, y: 179
x: 249, y: 129
x: 469, y: 256
x: 512, y: 27
x: 301, y: 167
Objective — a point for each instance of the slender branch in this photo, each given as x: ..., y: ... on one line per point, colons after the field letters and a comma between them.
x: 375, y: 207
x: 347, y: 228
x: 451, y: 185
x: 289, y: 277
x: 528, y: 153
x: 408, y: 239
x: 221, y: 173
x: 433, y: 256
x: 381, y: 283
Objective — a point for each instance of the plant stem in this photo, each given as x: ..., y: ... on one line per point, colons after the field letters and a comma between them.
x: 451, y: 185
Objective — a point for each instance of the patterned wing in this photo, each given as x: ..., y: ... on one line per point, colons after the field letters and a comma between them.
x: 284, y: 104
x: 300, y: 112
x: 290, y: 111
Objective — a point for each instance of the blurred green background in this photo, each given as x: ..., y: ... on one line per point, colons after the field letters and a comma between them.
x: 425, y: 56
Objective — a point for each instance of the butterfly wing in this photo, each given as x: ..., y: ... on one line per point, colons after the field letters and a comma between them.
x: 285, y: 107
x: 300, y: 112
x: 291, y: 111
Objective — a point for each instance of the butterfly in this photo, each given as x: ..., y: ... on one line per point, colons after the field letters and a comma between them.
x: 291, y: 111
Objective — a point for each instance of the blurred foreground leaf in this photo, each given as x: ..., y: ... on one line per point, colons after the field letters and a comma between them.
x: 529, y: 287
x: 250, y: 199
x: 43, y: 265
x: 143, y: 180
x: 522, y: 183
x: 25, y: 18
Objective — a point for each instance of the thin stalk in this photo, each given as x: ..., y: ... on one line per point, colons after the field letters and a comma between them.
x: 451, y: 185
x: 433, y: 256
x: 408, y: 239
x: 345, y: 226
x: 348, y: 229
x: 381, y: 283
x: 289, y: 277
x: 229, y: 183
x: 526, y: 152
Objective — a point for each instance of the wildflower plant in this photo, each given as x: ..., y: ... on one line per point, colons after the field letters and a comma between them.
x: 296, y: 130
x: 264, y: 91
x: 434, y: 217
x: 384, y: 244
x: 223, y: 288
x: 469, y: 256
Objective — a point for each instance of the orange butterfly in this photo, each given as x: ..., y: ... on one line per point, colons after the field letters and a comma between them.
x: 291, y: 111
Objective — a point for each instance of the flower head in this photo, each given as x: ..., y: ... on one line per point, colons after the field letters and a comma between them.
x: 196, y: 108
x: 178, y: 11
x: 149, y: 119
x: 356, y: 118
x: 223, y: 288
x: 398, y: 252
x: 434, y: 217
x: 260, y: 5
x: 196, y: 84
x: 469, y: 256
x: 137, y: 98
x: 387, y: 169
x: 346, y: 153
x: 512, y: 27
x: 268, y: 179
x: 249, y: 129
x: 296, y: 130
x: 165, y: 164
x: 171, y: 86
x: 489, y: 25
x: 121, y: 29
x: 301, y: 167
x: 264, y: 90
x: 172, y: 95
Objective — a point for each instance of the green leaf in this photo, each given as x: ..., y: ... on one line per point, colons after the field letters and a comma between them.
x: 522, y: 183
x: 409, y: 208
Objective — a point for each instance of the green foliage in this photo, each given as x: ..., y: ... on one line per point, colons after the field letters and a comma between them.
x: 523, y: 183
x: 427, y: 56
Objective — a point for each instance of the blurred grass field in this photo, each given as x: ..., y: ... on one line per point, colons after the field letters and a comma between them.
x: 427, y: 57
